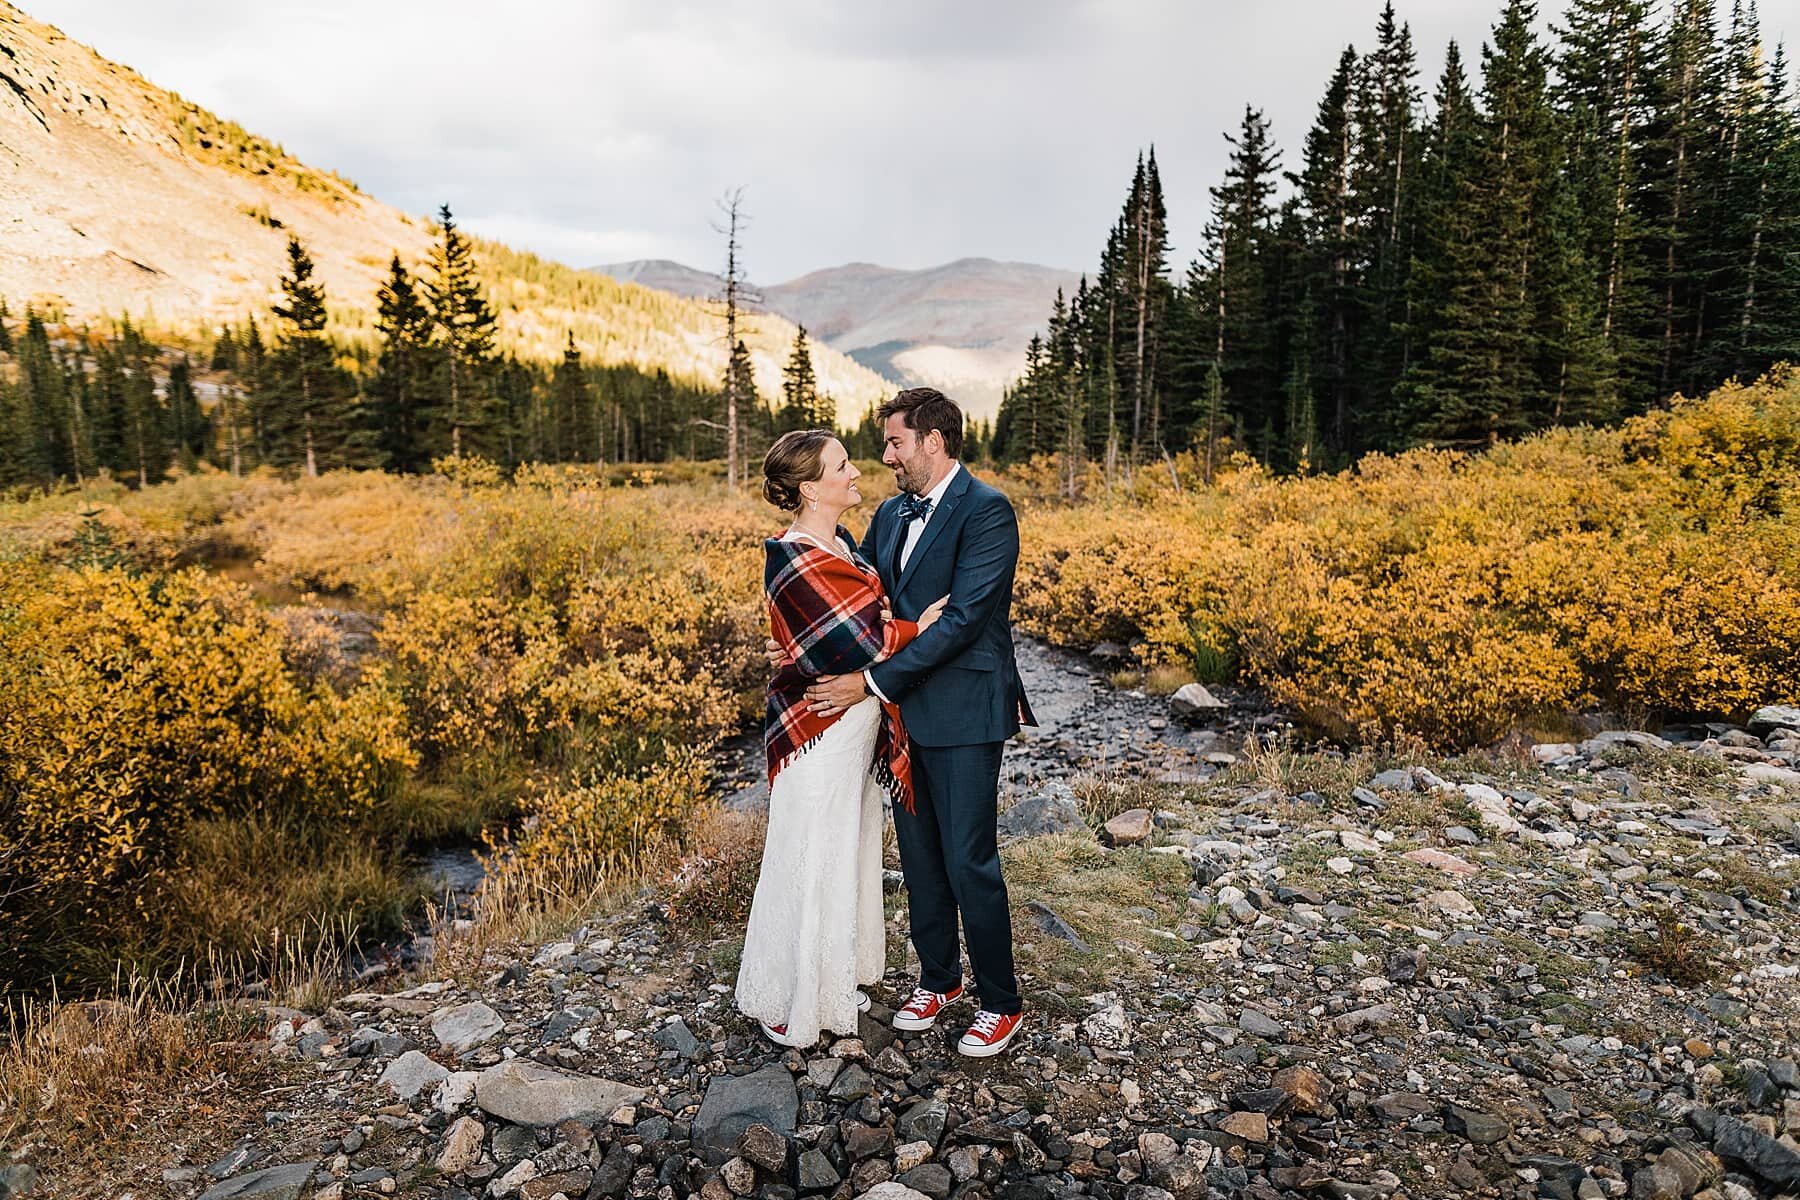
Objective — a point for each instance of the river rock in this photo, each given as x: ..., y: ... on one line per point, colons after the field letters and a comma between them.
x: 733, y: 1103
x: 462, y: 1146
x: 411, y: 1074
x: 1192, y: 700
x: 529, y: 1093
x: 1130, y: 827
x: 1051, y: 809
x: 272, y: 1183
x: 1047, y: 922
x: 1771, y: 717
x: 465, y: 1026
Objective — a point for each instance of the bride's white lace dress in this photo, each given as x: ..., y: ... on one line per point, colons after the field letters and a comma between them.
x: 815, y: 929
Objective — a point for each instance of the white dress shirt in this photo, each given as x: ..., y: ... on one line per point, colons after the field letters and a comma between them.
x: 915, y: 529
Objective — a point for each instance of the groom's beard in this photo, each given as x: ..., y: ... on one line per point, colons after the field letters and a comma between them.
x: 910, y: 480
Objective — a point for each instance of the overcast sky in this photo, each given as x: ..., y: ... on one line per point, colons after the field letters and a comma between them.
x: 904, y: 133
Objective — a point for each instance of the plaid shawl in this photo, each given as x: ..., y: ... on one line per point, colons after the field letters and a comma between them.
x: 826, y: 612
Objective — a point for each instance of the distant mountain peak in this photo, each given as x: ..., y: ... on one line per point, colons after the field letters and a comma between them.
x: 961, y: 326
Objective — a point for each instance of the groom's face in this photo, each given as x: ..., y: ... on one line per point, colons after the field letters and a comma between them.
x: 905, y: 452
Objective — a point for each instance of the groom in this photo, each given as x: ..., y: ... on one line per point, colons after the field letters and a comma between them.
x: 958, y: 687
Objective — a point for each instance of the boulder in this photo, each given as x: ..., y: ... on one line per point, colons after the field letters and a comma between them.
x: 1192, y: 700
x: 734, y: 1103
x: 1130, y: 827
x: 1051, y: 809
x: 465, y: 1026
x: 1771, y: 717
x: 285, y: 1182
x: 411, y: 1074
x: 529, y: 1093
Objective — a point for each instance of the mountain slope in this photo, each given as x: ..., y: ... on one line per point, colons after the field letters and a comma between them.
x: 117, y: 196
x: 962, y: 326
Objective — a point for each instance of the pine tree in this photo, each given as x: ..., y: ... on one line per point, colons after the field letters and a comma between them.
x: 1678, y: 163
x: 188, y: 428
x: 300, y: 421
x: 1324, y: 189
x: 1479, y: 380
x: 801, y: 407
x: 1237, y: 239
x: 1602, y: 66
x: 402, y: 384
x: 6, y: 337
x: 577, y: 434
x: 145, y: 418
x: 463, y: 327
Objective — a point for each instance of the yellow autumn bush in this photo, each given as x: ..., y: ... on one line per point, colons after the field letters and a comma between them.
x: 1653, y: 568
x: 132, y: 706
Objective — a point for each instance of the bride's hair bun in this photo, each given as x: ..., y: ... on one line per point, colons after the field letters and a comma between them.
x: 794, y: 459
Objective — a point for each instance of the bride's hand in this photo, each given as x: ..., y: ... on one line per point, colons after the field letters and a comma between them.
x: 777, y: 656
x: 929, y: 617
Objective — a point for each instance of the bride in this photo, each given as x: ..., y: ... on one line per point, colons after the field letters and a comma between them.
x: 816, y: 929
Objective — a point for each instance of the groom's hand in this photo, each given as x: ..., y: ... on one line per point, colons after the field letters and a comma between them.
x: 834, y: 693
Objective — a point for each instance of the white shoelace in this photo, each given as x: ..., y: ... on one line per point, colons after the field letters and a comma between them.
x: 921, y: 999
x: 986, y: 1022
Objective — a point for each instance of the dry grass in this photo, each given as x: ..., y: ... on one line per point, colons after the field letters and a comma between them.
x: 98, y: 1074
x: 1103, y: 797
x: 1677, y: 952
x: 713, y: 886
x: 1094, y: 890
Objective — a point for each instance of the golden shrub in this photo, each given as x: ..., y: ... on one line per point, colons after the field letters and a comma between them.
x: 1653, y: 568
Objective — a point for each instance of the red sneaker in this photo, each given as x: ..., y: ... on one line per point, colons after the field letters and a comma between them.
x: 779, y: 1035
x: 921, y: 1012
x: 990, y: 1033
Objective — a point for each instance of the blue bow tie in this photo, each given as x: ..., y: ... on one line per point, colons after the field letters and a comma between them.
x: 914, y: 508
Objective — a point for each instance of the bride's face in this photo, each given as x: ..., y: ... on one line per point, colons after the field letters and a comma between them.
x: 836, y: 485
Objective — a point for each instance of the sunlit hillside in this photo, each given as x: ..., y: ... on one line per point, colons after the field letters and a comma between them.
x: 121, y: 197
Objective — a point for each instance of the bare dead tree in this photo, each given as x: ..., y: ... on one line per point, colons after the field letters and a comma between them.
x: 736, y: 296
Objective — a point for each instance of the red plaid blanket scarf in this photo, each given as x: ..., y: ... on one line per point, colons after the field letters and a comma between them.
x: 826, y: 612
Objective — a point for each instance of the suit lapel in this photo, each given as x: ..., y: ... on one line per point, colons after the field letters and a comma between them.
x: 887, y: 549
x: 939, y: 519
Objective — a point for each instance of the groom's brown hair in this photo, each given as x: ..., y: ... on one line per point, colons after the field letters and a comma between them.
x: 925, y: 409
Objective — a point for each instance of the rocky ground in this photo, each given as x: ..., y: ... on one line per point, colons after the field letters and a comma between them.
x: 1550, y: 971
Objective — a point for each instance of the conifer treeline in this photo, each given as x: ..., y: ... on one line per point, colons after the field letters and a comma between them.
x: 282, y: 394
x: 1609, y: 219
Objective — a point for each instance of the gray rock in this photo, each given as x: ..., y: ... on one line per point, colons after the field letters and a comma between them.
x: 1047, y: 922
x: 733, y: 1103
x: 931, y: 1178
x: 1482, y: 1128
x: 1656, y: 1182
x: 1756, y: 1152
x: 285, y: 1182
x: 1192, y: 700
x: 814, y: 1172
x: 411, y: 1074
x: 1052, y: 809
x: 678, y: 1037
x: 1774, y: 716
x: 1400, y: 779
x: 17, y: 1181
x: 529, y: 1093
x: 923, y: 1122
x: 465, y: 1026
x: 1259, y: 1024
x: 613, y: 1175
x: 513, y: 1143
x: 892, y: 1190
x: 852, y: 1085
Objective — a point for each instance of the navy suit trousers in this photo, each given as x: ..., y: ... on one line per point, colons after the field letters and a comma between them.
x: 949, y: 852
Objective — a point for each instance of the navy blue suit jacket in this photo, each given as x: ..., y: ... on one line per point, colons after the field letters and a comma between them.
x: 957, y: 683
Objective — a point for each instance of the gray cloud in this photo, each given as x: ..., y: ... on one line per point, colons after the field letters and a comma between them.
x: 906, y: 134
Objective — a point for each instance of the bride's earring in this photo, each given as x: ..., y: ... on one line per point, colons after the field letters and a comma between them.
x: 815, y: 505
